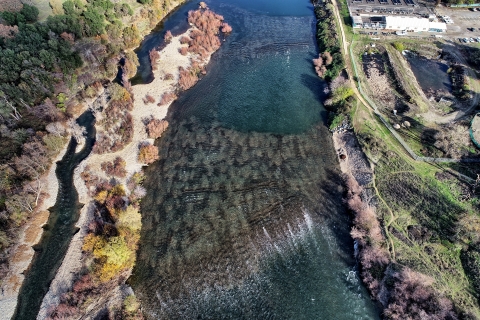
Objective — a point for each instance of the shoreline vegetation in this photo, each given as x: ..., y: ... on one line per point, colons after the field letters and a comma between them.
x: 413, y: 223
x: 110, y: 229
x: 37, y: 117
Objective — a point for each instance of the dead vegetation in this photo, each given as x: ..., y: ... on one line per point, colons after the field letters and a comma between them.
x: 115, y: 123
x: 11, y: 5
x: 156, y: 128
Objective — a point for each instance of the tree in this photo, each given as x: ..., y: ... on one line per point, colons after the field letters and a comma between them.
x: 56, y: 128
x: 72, y: 8
x: 30, y: 13
x: 8, y: 32
x: 130, y: 218
x: 115, y: 168
x: 148, y: 154
x: 131, y: 36
x: 156, y: 128
x: 75, y: 129
x: 328, y: 58
x: 34, y: 160
x: 95, y: 22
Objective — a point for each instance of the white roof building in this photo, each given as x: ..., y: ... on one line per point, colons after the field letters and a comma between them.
x: 413, y: 24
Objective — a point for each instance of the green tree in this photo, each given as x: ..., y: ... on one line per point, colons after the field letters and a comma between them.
x: 95, y: 22
x: 30, y: 13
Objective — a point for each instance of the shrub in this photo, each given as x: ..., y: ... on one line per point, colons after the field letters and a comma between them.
x: 399, y: 46
x: 148, y: 99
x: 115, y: 167
x: 205, y: 20
x: 185, y: 40
x: 412, y: 297
x: 187, y: 79
x: 154, y: 56
x: 226, y: 28
x: 8, y: 32
x: 168, y: 76
x: 336, y: 120
x: 168, y: 36
x: 148, y: 154
x: 183, y: 51
x: 167, y: 97
x: 328, y: 58
x: 156, y: 127
x: 130, y: 218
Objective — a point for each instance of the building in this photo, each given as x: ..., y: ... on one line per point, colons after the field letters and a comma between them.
x: 404, y: 16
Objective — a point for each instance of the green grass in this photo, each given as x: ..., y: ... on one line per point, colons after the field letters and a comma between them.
x: 409, y: 195
x: 44, y: 8
x: 337, y: 120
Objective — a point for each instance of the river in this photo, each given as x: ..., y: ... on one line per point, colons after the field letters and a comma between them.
x: 244, y: 217
x: 59, y: 230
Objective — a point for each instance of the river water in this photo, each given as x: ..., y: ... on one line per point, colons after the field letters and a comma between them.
x: 243, y: 218
x: 59, y: 230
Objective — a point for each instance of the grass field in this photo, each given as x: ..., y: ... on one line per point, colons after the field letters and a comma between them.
x: 423, y: 217
x: 44, y: 8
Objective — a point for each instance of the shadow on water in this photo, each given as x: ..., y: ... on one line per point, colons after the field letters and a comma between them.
x: 59, y: 230
x: 243, y: 218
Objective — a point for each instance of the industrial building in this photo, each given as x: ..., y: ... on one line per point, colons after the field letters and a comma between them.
x: 394, y: 15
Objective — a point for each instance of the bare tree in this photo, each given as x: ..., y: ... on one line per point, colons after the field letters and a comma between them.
x: 76, y: 130
x: 15, y: 114
x: 35, y: 188
x: 56, y: 128
x: 33, y: 161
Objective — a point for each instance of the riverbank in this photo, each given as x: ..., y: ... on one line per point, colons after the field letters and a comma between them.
x: 29, y: 236
x: 167, y: 76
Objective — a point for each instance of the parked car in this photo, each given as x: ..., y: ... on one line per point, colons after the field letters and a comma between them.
x: 472, y: 40
x: 466, y: 40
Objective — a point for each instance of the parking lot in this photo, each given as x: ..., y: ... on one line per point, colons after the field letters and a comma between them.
x: 464, y: 20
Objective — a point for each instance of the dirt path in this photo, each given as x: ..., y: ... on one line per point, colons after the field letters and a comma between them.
x: 361, y: 96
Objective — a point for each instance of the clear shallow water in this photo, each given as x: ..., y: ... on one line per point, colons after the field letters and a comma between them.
x: 244, y: 217
x: 430, y: 74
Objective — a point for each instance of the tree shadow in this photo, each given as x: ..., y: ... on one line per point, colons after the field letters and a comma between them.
x: 316, y: 85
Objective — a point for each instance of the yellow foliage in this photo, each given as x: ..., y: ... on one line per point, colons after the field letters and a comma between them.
x: 92, y: 241
x: 130, y: 304
x: 115, y: 251
x: 131, y: 237
x: 118, y: 190
x: 108, y: 271
x: 101, y: 196
x: 126, y: 95
x: 130, y: 218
